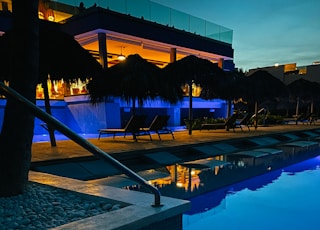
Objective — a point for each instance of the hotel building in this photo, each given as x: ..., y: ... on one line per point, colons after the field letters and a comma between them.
x: 110, y: 30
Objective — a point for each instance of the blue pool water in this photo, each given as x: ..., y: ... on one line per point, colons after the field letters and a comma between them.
x: 283, y: 199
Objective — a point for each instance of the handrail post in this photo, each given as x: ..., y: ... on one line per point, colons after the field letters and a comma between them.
x: 81, y: 141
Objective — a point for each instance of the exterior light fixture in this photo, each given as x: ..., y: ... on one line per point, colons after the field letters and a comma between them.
x: 50, y: 15
x: 121, y: 57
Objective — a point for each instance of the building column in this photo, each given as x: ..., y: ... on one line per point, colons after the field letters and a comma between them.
x: 173, y: 54
x: 112, y: 110
x: 174, y: 112
x: 102, y: 39
x: 220, y: 63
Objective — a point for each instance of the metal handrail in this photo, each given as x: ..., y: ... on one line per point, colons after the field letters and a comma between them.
x: 81, y: 141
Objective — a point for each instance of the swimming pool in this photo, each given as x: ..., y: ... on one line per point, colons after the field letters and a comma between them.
x: 282, y: 199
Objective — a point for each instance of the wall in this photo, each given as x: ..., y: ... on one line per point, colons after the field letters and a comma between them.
x: 81, y: 116
x: 58, y: 110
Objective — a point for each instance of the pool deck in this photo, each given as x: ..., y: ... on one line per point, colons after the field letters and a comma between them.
x: 138, y: 212
x: 122, y: 148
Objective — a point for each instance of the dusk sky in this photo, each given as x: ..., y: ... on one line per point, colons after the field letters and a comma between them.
x: 265, y: 32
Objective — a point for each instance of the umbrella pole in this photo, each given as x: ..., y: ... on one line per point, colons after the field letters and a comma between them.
x: 229, y: 108
x: 48, y: 110
x: 256, y: 113
x: 297, y: 107
x: 190, y: 108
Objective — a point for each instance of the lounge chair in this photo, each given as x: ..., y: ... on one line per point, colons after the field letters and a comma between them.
x: 133, y: 126
x: 302, y: 117
x: 231, y: 122
x: 294, y: 118
x: 158, y: 125
x: 306, y: 119
x: 245, y: 121
x: 312, y: 119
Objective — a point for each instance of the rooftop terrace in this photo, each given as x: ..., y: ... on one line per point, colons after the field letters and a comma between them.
x: 155, y: 12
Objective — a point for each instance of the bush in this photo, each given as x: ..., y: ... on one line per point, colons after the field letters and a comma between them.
x: 275, y: 119
x: 196, y: 125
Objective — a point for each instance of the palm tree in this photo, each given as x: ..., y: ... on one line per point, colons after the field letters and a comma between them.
x: 17, y: 131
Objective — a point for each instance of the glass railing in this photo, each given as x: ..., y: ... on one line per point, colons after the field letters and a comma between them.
x: 147, y: 10
x: 155, y: 12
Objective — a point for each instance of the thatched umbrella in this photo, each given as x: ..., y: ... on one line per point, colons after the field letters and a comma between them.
x: 229, y: 87
x: 189, y: 70
x: 303, y: 89
x: 132, y: 79
x: 261, y: 86
x: 61, y: 56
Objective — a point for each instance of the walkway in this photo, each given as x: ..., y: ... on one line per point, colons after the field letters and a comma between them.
x: 122, y: 148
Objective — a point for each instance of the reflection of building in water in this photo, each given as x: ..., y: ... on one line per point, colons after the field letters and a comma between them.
x: 187, y: 177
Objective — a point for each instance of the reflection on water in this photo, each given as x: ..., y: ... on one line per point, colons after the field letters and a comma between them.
x: 190, y: 176
x: 190, y: 179
x: 286, y: 198
x: 236, y: 189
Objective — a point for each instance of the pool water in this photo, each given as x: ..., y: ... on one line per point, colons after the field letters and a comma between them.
x: 288, y: 198
x: 283, y: 198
